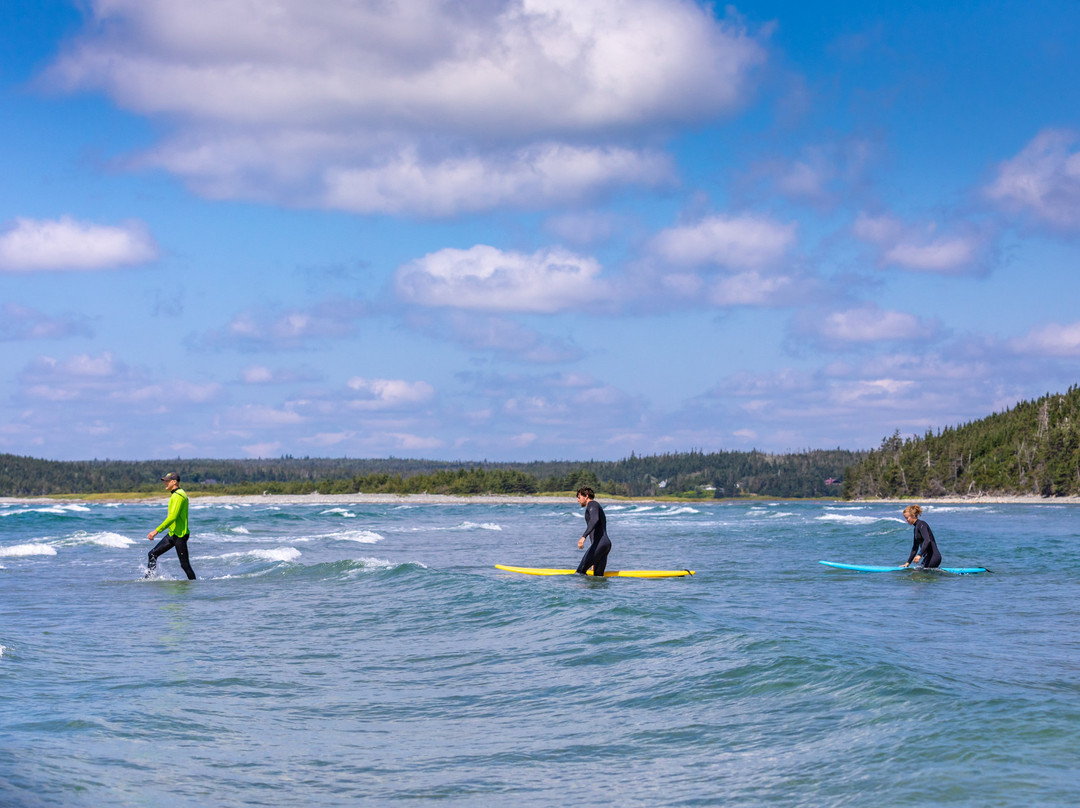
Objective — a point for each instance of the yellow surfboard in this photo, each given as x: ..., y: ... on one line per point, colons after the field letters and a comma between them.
x: 608, y: 574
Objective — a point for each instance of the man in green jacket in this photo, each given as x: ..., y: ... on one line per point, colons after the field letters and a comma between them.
x: 176, y: 522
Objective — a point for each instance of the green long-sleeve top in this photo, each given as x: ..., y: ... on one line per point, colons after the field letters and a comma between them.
x: 176, y: 520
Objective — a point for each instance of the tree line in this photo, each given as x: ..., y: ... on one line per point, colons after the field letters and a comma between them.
x: 811, y: 473
x: 1032, y: 448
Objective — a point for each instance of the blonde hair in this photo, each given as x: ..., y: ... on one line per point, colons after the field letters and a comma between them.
x: 912, y: 510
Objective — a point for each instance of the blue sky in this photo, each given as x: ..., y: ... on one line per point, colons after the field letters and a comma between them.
x: 524, y: 230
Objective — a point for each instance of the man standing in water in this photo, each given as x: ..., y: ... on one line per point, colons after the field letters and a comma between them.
x: 176, y: 522
x: 596, y: 528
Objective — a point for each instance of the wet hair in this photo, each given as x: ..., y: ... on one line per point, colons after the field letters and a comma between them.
x: 586, y: 492
x: 913, y: 510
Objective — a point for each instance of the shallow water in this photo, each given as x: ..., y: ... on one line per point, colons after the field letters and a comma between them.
x: 371, y: 654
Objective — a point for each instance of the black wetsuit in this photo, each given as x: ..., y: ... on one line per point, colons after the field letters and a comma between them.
x: 166, y: 544
x: 596, y: 529
x: 924, y: 546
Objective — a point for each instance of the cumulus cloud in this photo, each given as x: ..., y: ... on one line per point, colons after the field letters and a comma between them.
x: 753, y: 289
x: 23, y: 323
x: 1052, y: 339
x: 921, y: 249
x: 867, y: 323
x: 32, y: 245
x: 736, y: 242
x: 720, y: 260
x: 388, y: 394
x: 486, y: 278
x: 353, y: 104
x: 538, y: 176
x: 1043, y: 180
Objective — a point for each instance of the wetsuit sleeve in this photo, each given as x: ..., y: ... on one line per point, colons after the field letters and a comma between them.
x: 174, y: 511
x: 915, y: 544
x: 926, y: 540
x: 592, y: 519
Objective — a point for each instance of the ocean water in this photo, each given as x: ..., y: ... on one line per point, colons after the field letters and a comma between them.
x: 369, y: 654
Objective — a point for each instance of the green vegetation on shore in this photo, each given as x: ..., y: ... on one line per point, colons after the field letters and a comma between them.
x: 695, y: 475
x: 1031, y: 449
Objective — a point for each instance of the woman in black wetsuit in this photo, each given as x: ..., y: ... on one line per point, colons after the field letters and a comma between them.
x: 924, y: 551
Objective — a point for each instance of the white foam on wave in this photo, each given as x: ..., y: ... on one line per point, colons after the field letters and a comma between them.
x: 381, y: 564
x: 277, y: 554
x: 362, y: 536
x: 239, y: 529
x: 375, y: 563
x: 680, y: 511
x: 2, y: 648
x: 346, y: 514
x: 961, y: 508
x: 273, y: 554
x: 59, y: 510
x: 850, y: 519
x: 780, y: 514
x: 21, y: 550
x: 477, y: 526
x: 104, y: 539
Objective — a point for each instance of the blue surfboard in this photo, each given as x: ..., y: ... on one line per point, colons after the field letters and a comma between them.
x: 872, y: 568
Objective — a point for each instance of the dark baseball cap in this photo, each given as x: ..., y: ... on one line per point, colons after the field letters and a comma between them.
x: 172, y: 475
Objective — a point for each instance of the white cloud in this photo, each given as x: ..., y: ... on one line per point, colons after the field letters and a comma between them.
x: 919, y: 249
x: 1043, y: 179
x: 1050, y: 340
x: 487, y: 278
x: 356, y: 104
x: 736, y: 242
x: 65, y: 244
x: 257, y: 374
x: 384, y: 394
x: 534, y: 177
x: 525, y: 65
x: 869, y: 323
x: 752, y: 289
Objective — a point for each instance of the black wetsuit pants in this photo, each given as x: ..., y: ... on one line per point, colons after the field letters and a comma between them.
x: 166, y: 544
x: 595, y: 557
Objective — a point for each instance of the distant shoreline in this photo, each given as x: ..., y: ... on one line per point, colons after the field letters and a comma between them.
x: 504, y: 499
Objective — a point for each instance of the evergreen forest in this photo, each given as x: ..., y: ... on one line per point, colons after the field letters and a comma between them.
x: 812, y: 473
x: 1030, y: 449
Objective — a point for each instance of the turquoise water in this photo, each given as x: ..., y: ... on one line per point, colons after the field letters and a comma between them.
x: 358, y: 654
